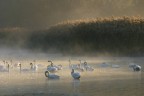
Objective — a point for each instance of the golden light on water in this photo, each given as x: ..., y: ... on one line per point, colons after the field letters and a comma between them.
x: 101, y: 78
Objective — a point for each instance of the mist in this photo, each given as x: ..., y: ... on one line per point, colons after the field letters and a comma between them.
x: 39, y: 14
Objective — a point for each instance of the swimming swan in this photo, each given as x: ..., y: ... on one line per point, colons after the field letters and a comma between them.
x: 137, y: 68
x: 75, y: 75
x: 87, y: 67
x: 4, y: 69
x: 33, y: 67
x: 52, y: 68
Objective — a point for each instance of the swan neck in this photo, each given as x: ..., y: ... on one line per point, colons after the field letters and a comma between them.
x: 69, y: 63
x: 46, y: 73
x: 31, y: 65
x: 72, y: 71
x: 8, y: 67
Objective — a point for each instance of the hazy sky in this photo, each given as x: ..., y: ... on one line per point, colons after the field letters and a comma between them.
x: 43, y: 13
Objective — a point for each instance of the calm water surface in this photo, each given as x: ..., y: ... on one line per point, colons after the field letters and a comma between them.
x: 101, y: 82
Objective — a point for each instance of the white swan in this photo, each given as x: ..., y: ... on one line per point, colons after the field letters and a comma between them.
x: 16, y: 65
x: 34, y: 67
x: 4, y: 69
x: 80, y: 67
x: 87, y: 67
x: 52, y: 68
x: 104, y: 65
x: 51, y: 76
x: 23, y: 70
x: 137, y: 68
x: 75, y: 75
x: 75, y: 66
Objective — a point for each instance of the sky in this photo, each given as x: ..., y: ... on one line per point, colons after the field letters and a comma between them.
x: 39, y: 14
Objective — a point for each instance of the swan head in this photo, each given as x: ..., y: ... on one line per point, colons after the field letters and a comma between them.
x: 19, y: 64
x: 85, y: 63
x: 31, y: 63
x: 51, y: 62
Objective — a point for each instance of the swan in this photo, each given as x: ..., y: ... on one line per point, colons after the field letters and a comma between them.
x: 74, y: 66
x: 80, y: 68
x: 87, y: 67
x: 16, y: 65
x: 75, y: 75
x: 136, y: 68
x: 52, y: 68
x: 4, y: 69
x: 33, y: 67
x: 23, y: 70
x: 104, y: 65
x: 51, y: 76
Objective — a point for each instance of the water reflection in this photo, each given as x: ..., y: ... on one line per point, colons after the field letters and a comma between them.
x: 76, y: 84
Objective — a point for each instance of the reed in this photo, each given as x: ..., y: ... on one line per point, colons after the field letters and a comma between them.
x: 113, y: 35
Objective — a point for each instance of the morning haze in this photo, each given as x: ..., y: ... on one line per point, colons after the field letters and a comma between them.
x: 39, y: 14
x: 71, y: 48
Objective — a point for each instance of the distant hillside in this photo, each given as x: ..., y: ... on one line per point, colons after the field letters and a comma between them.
x: 114, y: 35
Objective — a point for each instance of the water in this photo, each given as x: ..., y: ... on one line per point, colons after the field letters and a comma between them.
x: 101, y: 82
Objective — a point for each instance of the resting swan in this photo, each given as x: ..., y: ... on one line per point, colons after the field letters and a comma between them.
x: 75, y: 75
x: 51, y: 76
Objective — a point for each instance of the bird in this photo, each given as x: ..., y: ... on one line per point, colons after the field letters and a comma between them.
x: 75, y: 66
x: 104, y: 65
x: 4, y: 69
x: 51, y: 68
x: 137, y: 68
x: 24, y: 69
x: 51, y: 76
x: 34, y: 67
x: 16, y: 65
x: 75, y: 75
x: 80, y: 68
x: 87, y: 67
